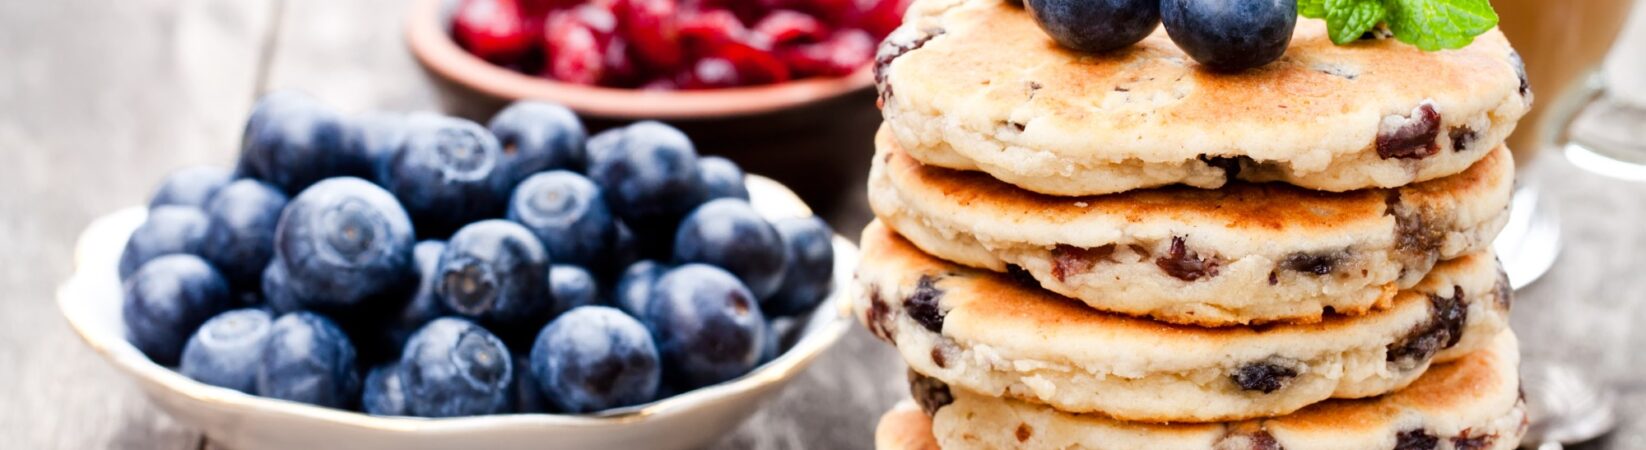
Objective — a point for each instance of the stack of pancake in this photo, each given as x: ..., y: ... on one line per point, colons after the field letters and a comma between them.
x: 1127, y: 251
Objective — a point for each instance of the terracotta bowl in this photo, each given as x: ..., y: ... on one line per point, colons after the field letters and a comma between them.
x: 91, y: 299
x: 815, y: 135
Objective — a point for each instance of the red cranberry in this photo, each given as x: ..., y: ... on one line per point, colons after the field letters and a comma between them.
x: 878, y: 17
x: 1417, y: 439
x: 784, y: 27
x: 583, y: 45
x: 832, y: 12
x: 693, y: 6
x: 574, y: 53
x: 534, y: 15
x: 711, y: 73
x: 540, y: 9
x: 676, y: 44
x: 492, y: 30
x: 652, y: 29
x: 842, y: 53
x: 1248, y: 439
x: 754, y: 64
x: 1068, y: 260
x: 1184, y: 264
x: 930, y: 393
x: 707, y: 30
x: 600, y: 17
x: 662, y: 83
x: 880, y: 317
x: 765, y: 7
x: 1265, y: 377
x: 1465, y: 442
x: 619, y: 67
x: 1411, y: 138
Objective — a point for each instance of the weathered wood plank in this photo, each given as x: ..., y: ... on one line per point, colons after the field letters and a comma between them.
x: 349, y: 54
x: 100, y: 100
x: 1587, y: 311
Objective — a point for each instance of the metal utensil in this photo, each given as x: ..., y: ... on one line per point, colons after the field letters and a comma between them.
x: 1565, y: 405
x: 1530, y: 241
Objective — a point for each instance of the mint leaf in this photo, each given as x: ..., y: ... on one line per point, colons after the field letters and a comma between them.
x: 1314, y: 9
x: 1346, y: 20
x: 1433, y: 25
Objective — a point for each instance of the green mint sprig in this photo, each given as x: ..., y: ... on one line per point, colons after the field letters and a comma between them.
x: 1429, y: 25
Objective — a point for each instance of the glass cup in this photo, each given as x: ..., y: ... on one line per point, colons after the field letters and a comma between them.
x: 1607, y: 130
x: 1561, y: 43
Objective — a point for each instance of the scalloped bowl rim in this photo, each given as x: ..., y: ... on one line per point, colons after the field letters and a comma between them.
x: 100, y: 243
x: 428, y: 40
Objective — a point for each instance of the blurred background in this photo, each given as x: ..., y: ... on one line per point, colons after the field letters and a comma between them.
x: 99, y: 100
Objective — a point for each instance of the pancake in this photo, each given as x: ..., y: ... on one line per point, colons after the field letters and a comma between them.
x: 975, y: 85
x: 1246, y: 253
x: 998, y: 336
x: 1473, y: 403
x: 904, y: 427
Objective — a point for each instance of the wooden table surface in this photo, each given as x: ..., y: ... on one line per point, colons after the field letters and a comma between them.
x: 98, y: 100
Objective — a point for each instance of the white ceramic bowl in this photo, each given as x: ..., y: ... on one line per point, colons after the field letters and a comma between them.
x: 91, y: 300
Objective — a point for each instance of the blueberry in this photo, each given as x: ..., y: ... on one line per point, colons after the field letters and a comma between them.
x: 595, y: 358
x: 538, y: 136
x: 381, y: 326
x: 308, y: 359
x: 378, y: 135
x: 385, y: 394
x: 624, y: 250
x: 567, y: 213
x: 811, y: 266
x: 666, y: 390
x: 527, y: 398
x: 729, y: 233
x: 1230, y: 36
x: 344, y: 241
x: 166, y: 300
x: 496, y: 271
x: 634, y: 288
x: 226, y: 350
x: 721, y: 178
x: 573, y: 287
x: 654, y: 239
x: 772, y: 346
x: 190, y: 186
x: 601, y: 143
x: 708, y: 326
x: 453, y: 367
x: 424, y: 304
x: 293, y: 141
x: 781, y: 333
x: 240, y: 236
x: 276, y: 289
x: 649, y: 174
x: 1095, y: 26
x: 447, y: 172
x: 168, y: 230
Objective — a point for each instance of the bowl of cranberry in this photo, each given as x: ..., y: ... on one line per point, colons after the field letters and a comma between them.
x: 781, y: 86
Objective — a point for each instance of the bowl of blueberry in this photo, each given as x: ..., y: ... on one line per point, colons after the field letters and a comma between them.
x: 421, y: 281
